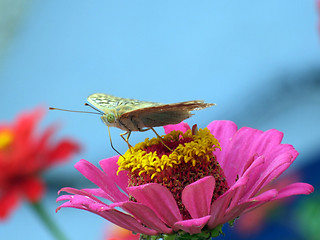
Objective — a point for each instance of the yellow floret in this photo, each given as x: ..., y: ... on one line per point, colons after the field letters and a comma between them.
x: 137, y: 159
x: 6, y: 139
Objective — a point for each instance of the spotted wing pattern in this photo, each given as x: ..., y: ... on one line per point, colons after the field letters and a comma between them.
x: 106, y: 102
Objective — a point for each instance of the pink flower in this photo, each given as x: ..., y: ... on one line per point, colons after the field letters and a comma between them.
x: 151, y: 202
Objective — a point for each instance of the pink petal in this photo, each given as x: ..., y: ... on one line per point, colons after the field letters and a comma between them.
x: 146, y: 216
x: 223, y: 131
x: 221, y: 204
x: 280, y: 149
x: 239, y: 189
x: 121, y: 219
x: 63, y: 198
x: 82, y: 202
x: 238, y: 148
x: 103, y: 181
x: 197, y: 197
x: 237, y: 153
x: 273, y: 194
x: 183, y: 127
x: 253, y: 173
x: 126, y: 221
x: 68, y: 204
x: 295, y: 189
x: 268, y: 144
x: 260, y: 199
x: 159, y: 199
x: 97, y: 192
x: 265, y: 142
x: 110, y: 167
x: 275, y: 168
x: 236, y: 211
x: 192, y: 226
x: 80, y: 192
x: 250, y: 162
x: 265, y: 197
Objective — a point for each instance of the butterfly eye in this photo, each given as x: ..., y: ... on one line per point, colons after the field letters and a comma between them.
x: 111, y: 118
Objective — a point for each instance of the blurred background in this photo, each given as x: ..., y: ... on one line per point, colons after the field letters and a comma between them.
x: 259, y: 61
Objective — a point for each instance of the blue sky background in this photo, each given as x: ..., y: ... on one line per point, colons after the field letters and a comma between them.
x: 258, y: 60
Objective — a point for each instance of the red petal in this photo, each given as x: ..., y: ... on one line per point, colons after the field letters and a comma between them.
x: 63, y: 150
x: 8, y: 202
x: 33, y: 189
x: 26, y: 123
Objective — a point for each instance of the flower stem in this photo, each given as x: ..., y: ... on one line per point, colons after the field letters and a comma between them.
x: 39, y: 209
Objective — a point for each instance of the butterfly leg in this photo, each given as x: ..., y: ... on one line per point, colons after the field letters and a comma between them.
x: 160, y: 138
x: 128, y: 133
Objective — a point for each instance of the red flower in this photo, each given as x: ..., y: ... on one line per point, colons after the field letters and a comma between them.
x: 24, y: 156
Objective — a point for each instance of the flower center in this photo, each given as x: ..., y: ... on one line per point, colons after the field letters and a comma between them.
x: 192, y: 158
x: 6, y: 139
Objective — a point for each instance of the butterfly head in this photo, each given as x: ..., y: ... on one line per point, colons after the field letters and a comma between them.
x: 109, y: 119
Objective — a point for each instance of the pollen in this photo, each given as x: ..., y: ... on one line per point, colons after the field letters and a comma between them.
x: 152, y: 157
x: 6, y: 139
x: 191, y: 158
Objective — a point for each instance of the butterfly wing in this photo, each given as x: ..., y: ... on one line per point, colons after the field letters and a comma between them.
x: 106, y: 102
x: 161, y: 115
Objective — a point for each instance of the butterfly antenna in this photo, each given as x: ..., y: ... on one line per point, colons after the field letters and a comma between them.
x: 96, y: 109
x: 160, y: 138
x: 66, y: 110
x: 112, y: 144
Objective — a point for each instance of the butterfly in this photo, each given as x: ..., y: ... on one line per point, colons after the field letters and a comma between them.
x: 135, y: 115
